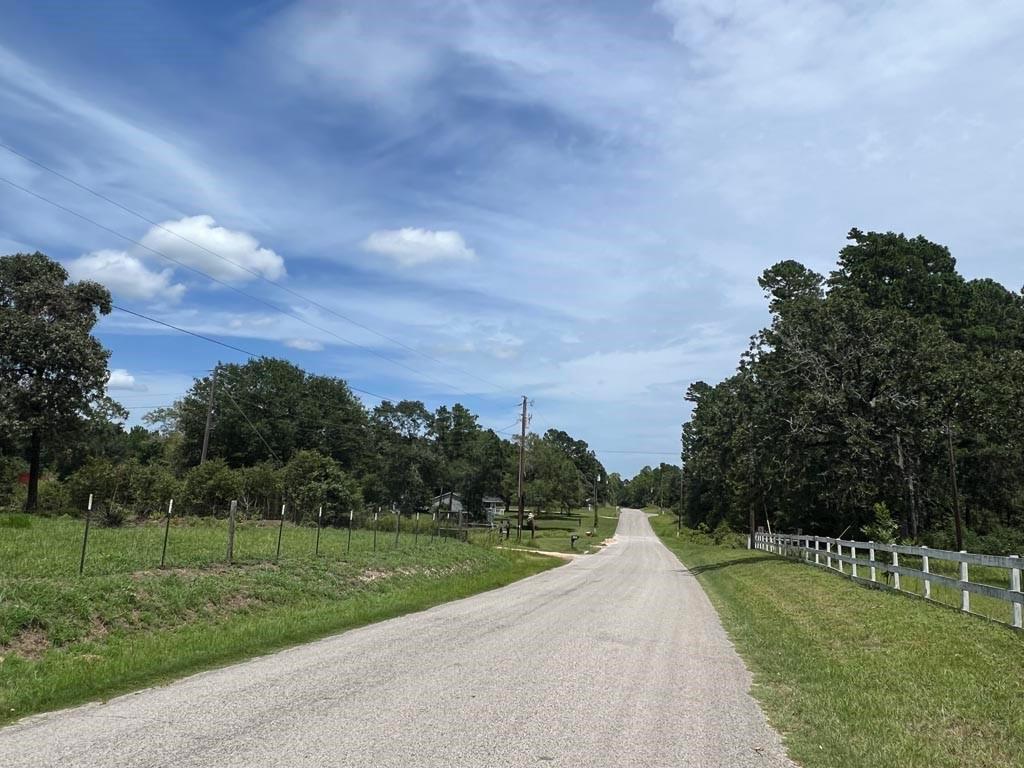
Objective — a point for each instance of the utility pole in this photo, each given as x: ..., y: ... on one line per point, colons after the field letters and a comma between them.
x: 956, y: 492
x: 522, y: 452
x: 209, y: 417
x: 679, y: 520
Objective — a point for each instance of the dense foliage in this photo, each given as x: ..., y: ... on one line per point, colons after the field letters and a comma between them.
x: 873, y: 389
x: 279, y: 435
x: 52, y: 371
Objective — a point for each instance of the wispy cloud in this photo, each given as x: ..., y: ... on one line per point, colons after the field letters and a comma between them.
x: 593, y: 187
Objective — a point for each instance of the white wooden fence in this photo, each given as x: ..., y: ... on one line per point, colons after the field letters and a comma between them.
x: 861, y: 557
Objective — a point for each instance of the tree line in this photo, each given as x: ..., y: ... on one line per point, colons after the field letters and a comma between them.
x: 278, y: 434
x: 891, y: 389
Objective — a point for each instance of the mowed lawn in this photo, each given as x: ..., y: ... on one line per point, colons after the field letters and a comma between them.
x: 127, y: 623
x: 554, y: 531
x: 856, y: 677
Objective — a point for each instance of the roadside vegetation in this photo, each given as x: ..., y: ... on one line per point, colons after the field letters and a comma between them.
x: 857, y: 677
x: 893, y: 382
x: 66, y: 639
x: 553, y: 532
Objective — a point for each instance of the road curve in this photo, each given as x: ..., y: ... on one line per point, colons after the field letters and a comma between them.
x: 617, y: 659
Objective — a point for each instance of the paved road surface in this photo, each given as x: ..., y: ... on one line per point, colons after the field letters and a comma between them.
x: 616, y: 659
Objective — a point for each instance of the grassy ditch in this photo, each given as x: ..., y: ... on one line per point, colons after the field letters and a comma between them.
x: 66, y: 639
x: 855, y: 677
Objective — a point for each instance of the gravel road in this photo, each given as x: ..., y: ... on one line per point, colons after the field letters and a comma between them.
x: 616, y: 659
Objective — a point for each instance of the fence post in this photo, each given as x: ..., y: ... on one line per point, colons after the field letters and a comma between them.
x: 319, y: 525
x: 896, y: 563
x: 1015, y: 587
x: 351, y: 522
x: 871, y: 557
x: 926, y: 569
x: 817, y: 549
x: 398, y: 526
x: 85, y: 536
x: 839, y: 547
x: 280, y: 530
x: 853, y: 556
x: 828, y: 556
x: 231, y: 530
x: 965, y: 596
x: 167, y: 531
x: 375, y: 514
x: 416, y: 536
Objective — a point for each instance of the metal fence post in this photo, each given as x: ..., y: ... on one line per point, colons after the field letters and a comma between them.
x: 85, y: 536
x: 1015, y: 586
x: 319, y: 525
x: 280, y: 531
x: 926, y: 569
x: 167, y: 531
x: 965, y: 596
x: 231, y: 530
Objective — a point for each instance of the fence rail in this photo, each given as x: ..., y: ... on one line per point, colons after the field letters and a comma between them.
x: 863, y: 557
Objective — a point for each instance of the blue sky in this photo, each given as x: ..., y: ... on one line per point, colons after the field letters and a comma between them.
x: 570, y: 201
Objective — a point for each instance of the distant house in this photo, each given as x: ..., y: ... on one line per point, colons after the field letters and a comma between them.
x: 447, y: 501
x: 492, y: 505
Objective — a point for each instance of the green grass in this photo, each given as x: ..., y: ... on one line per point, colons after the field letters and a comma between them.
x: 554, y: 532
x: 853, y: 676
x: 66, y: 639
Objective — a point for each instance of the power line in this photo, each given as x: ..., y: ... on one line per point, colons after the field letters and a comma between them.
x: 190, y: 333
x: 252, y: 272
x: 249, y: 422
x: 229, y: 346
x: 642, y: 453
x: 229, y: 286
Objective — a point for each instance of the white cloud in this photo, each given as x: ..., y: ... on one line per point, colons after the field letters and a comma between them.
x: 121, y: 379
x: 307, y: 345
x: 411, y: 246
x: 191, y: 240
x: 125, y: 275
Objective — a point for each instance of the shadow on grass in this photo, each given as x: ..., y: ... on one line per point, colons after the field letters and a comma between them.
x: 698, y: 569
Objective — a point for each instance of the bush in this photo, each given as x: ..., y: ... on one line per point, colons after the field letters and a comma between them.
x: 211, y: 486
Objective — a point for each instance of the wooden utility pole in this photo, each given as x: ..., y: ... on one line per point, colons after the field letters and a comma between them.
x: 209, y: 417
x: 956, y: 492
x: 679, y: 520
x: 522, y: 452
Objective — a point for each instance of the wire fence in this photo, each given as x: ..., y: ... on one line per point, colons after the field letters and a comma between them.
x: 37, y: 546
